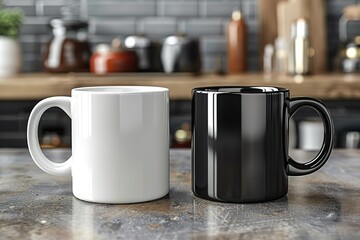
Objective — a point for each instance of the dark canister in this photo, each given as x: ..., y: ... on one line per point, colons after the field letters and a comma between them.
x: 148, y: 52
x: 240, y: 142
x: 180, y: 53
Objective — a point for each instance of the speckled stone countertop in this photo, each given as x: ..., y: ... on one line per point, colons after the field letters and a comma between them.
x: 35, y: 205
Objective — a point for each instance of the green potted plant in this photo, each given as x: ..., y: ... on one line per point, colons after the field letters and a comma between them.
x: 10, y: 50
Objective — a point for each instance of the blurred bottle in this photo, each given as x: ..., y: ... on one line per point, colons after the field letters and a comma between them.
x: 300, y: 51
x: 281, y: 55
x: 236, y: 43
x: 352, y: 140
x: 268, y: 58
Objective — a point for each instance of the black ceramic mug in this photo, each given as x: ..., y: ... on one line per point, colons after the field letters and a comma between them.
x: 240, y: 142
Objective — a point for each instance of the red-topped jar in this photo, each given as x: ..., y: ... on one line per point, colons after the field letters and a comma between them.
x: 114, y: 58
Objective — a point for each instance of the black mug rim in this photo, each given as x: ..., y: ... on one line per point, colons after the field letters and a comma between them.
x: 241, y: 89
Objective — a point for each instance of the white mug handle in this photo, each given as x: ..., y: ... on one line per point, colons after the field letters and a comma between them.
x: 60, y: 169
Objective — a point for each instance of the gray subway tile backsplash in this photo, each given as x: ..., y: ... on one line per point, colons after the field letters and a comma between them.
x: 252, y: 25
x: 213, y: 45
x: 157, y: 26
x: 205, y: 19
x: 202, y: 26
x: 50, y: 7
x: 32, y: 62
x: 178, y: 8
x: 96, y: 39
x: 122, y: 8
x: 53, y: 11
x: 27, y: 6
x: 252, y: 63
x: 214, y: 63
x: 35, y: 25
x: 249, y: 10
x: 31, y: 66
x: 30, y: 44
x: 113, y: 26
x: 218, y: 8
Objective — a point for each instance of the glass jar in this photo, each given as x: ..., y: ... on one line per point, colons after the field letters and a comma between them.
x: 68, y: 50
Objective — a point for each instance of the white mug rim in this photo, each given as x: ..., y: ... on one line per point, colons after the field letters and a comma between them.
x: 111, y: 90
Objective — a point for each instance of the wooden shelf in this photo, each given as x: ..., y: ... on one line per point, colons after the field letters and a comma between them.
x: 41, y: 85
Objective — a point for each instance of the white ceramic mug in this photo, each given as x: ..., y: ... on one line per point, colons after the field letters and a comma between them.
x: 120, y: 142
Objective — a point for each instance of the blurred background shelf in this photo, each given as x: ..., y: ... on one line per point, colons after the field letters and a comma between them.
x: 18, y: 95
x: 35, y: 86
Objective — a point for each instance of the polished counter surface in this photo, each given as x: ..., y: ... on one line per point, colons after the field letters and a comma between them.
x: 36, y: 86
x: 35, y: 205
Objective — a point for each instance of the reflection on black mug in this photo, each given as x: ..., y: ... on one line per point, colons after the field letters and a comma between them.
x: 240, y: 142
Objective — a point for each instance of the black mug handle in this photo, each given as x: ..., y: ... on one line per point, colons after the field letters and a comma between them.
x: 296, y: 168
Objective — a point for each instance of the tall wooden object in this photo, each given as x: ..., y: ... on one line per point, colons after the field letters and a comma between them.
x: 267, y: 24
x: 273, y: 25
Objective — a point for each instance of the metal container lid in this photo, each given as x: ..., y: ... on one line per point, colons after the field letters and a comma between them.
x: 178, y: 39
x: 137, y: 41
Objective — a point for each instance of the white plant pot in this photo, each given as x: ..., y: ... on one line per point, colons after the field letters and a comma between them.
x: 10, y: 56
